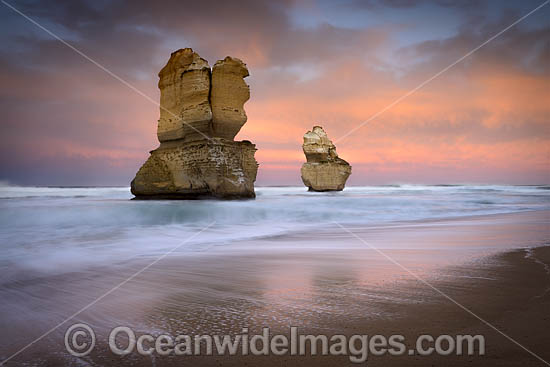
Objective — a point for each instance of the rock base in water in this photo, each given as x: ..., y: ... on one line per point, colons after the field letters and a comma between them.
x: 217, y: 168
x: 325, y: 176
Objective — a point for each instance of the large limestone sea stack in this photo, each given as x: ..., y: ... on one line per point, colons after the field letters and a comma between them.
x: 324, y: 170
x: 201, y: 111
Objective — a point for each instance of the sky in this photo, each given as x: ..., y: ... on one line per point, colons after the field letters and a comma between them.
x: 65, y: 121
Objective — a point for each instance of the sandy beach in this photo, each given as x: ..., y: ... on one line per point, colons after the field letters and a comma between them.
x: 327, y: 282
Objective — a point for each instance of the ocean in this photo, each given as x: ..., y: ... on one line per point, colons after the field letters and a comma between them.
x: 58, y: 229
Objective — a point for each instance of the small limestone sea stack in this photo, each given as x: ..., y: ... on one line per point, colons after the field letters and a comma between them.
x: 201, y: 111
x: 324, y: 170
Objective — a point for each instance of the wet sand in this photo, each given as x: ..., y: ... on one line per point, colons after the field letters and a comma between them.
x: 323, y: 283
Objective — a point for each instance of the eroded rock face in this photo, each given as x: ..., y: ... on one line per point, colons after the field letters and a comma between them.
x: 204, y: 168
x: 229, y: 93
x: 184, y: 84
x: 197, y: 156
x: 324, y: 170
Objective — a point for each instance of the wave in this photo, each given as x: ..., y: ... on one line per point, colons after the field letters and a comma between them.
x: 61, y: 227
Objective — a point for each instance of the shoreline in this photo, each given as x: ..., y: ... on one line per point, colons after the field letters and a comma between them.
x: 502, y: 292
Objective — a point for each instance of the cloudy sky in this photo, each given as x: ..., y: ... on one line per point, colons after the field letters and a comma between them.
x: 65, y: 121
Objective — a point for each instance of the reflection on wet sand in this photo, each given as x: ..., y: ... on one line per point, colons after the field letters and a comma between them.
x: 325, y: 283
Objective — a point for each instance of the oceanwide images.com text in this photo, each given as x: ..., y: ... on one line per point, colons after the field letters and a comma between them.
x: 80, y: 340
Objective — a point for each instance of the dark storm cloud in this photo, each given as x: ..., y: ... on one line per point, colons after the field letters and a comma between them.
x: 523, y: 48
